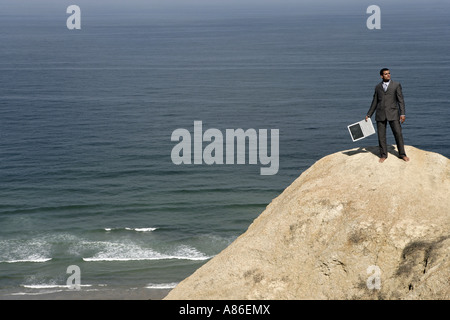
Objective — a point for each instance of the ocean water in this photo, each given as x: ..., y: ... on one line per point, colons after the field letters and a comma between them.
x: 86, y: 118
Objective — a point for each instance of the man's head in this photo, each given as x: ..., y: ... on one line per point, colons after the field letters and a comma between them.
x: 385, y: 74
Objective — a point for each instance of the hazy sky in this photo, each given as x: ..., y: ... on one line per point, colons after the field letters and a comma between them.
x: 171, y: 10
x: 9, y: 6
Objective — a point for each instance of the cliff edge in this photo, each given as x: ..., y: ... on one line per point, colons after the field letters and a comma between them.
x: 348, y: 228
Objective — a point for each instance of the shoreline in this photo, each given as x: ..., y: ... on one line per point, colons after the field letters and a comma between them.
x: 89, y: 294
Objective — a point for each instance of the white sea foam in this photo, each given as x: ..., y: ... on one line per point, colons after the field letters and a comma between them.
x: 34, y: 293
x: 132, y: 229
x: 35, y: 260
x: 161, y: 285
x: 141, y: 229
x: 50, y: 286
x: 23, y: 251
x: 127, y: 251
x: 42, y: 289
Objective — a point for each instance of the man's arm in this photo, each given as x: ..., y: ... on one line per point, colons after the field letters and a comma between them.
x: 401, y: 103
x: 373, y: 106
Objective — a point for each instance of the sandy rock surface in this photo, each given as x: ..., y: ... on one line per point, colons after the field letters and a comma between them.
x: 347, y: 228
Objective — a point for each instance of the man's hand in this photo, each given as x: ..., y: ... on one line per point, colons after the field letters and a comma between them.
x: 402, y: 119
x: 367, y: 118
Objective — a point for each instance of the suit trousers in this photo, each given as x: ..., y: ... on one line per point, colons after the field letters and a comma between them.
x: 397, y: 131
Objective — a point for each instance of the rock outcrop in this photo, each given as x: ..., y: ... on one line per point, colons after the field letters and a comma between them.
x: 348, y: 228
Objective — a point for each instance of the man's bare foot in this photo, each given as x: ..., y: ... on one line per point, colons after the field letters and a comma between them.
x: 382, y: 160
x: 405, y: 158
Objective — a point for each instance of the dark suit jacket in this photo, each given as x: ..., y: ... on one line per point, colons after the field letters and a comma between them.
x: 390, y: 104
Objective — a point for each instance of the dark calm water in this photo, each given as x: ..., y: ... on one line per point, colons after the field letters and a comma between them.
x: 86, y: 118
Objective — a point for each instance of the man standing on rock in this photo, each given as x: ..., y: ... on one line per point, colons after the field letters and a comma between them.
x: 390, y: 106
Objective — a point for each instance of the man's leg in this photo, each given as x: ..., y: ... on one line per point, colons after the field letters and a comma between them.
x: 381, y: 128
x: 397, y: 131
